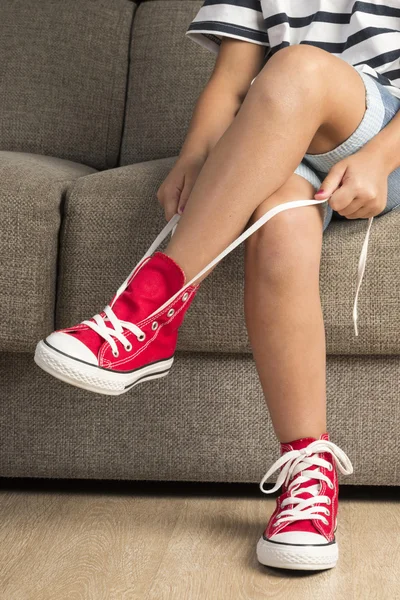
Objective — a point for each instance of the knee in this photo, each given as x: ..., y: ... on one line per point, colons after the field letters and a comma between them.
x: 287, y: 248
x: 302, y: 66
x: 304, y: 58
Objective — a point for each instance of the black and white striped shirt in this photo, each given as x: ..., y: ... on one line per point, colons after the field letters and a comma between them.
x: 364, y: 34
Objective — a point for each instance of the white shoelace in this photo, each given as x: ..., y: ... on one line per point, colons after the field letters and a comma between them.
x: 117, y: 331
x: 297, y: 461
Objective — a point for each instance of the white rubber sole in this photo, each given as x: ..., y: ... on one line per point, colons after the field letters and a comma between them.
x: 287, y: 556
x: 93, y: 378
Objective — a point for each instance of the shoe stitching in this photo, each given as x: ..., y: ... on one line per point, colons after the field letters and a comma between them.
x: 130, y: 335
x: 191, y: 289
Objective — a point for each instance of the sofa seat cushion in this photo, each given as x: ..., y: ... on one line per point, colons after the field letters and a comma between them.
x: 31, y: 194
x: 111, y: 218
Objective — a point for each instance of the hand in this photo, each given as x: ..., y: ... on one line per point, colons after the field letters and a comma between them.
x: 175, y: 189
x: 357, y: 185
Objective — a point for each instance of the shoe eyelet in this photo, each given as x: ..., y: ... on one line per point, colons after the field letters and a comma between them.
x: 170, y: 312
x: 331, y: 485
x: 326, y: 521
x: 115, y: 353
x: 154, y: 325
x: 330, y: 467
x: 328, y: 512
x: 142, y: 337
x: 275, y: 524
x: 128, y: 347
x: 328, y: 501
x: 185, y: 297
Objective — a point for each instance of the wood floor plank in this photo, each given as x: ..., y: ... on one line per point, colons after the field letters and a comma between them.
x: 375, y: 529
x: 211, y: 555
x: 159, y: 545
x: 85, y: 547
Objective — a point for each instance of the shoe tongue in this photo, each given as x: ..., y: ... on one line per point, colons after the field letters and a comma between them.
x: 298, y: 445
x: 152, y: 285
x: 156, y: 281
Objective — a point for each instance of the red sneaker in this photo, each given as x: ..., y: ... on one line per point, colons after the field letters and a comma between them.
x: 133, y: 339
x: 301, y: 531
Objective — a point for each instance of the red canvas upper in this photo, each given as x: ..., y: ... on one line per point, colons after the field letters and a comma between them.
x: 156, y: 279
x: 309, y: 525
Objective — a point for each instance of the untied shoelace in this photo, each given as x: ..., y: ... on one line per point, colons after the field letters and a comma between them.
x: 298, y: 461
x: 118, y: 325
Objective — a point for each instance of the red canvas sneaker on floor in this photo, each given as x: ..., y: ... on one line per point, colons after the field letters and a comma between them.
x: 133, y: 339
x: 301, y: 531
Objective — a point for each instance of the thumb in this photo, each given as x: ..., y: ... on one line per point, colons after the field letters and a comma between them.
x: 331, y: 182
x: 187, y: 188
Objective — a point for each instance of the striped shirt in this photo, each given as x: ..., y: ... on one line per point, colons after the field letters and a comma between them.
x: 364, y: 34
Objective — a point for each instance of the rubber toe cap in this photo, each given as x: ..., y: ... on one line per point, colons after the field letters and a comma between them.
x: 72, y: 347
x: 299, y: 537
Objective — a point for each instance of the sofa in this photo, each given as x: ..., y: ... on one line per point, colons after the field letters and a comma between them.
x: 95, y: 100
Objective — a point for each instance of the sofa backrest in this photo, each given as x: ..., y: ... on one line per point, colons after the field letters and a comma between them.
x: 63, y: 73
x: 167, y: 74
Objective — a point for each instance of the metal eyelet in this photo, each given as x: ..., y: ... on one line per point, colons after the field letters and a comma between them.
x: 331, y: 485
x: 154, y: 325
x: 142, y: 337
x: 185, y: 297
x: 328, y: 512
x: 330, y: 468
x: 328, y: 501
x: 115, y: 353
x: 128, y: 347
x: 275, y: 524
x: 170, y: 312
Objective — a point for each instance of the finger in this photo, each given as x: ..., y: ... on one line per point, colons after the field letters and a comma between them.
x: 351, y: 208
x: 183, y: 201
x: 361, y: 213
x: 368, y: 207
x: 182, y: 204
x: 331, y: 181
x: 187, y: 188
x: 170, y: 193
x: 170, y: 209
x: 365, y: 212
x: 342, y: 198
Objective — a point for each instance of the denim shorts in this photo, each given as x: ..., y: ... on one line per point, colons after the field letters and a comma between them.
x: 381, y: 107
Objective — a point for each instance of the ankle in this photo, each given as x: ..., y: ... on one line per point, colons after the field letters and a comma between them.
x: 177, y: 260
x: 188, y: 269
x: 289, y: 437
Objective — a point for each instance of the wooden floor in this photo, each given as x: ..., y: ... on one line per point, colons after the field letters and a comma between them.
x: 77, y: 540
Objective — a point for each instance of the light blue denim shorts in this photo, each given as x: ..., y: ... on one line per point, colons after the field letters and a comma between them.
x: 381, y: 107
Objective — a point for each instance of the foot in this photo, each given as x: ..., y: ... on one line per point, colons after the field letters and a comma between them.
x: 131, y: 341
x: 301, y: 532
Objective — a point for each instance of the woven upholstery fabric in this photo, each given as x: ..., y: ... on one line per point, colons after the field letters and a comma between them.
x: 63, y: 71
x: 167, y: 74
x: 31, y: 192
x: 111, y: 218
x: 206, y: 421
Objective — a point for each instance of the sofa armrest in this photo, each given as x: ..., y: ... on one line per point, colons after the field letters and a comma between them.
x: 32, y: 189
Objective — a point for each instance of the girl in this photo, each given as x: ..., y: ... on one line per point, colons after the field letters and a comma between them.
x: 302, y: 103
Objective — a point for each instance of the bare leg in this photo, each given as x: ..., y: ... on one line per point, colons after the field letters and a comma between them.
x: 291, y: 108
x: 284, y: 316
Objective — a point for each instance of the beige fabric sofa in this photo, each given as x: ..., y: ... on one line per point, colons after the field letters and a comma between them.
x: 95, y: 101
